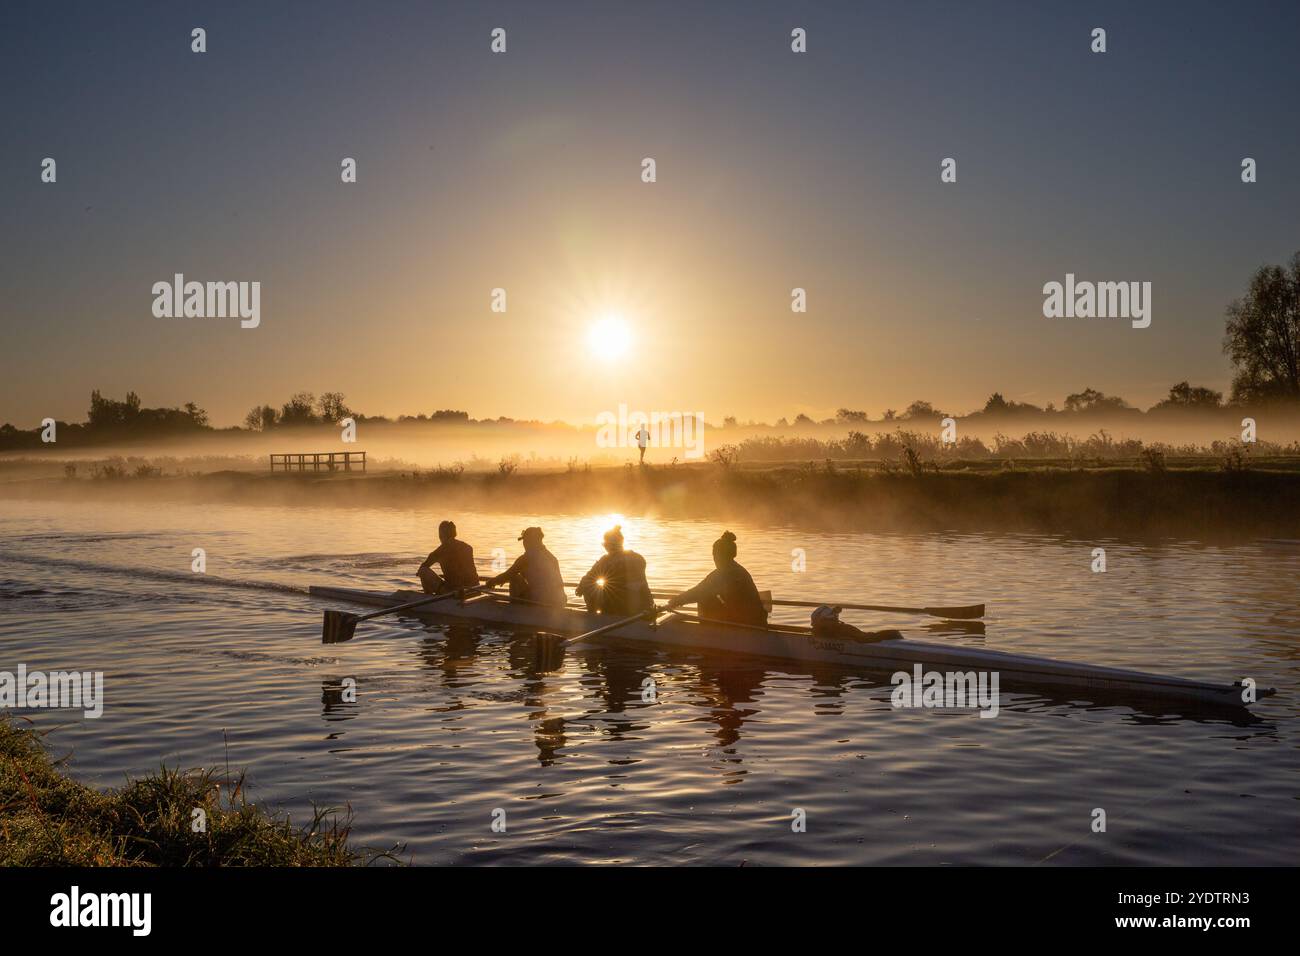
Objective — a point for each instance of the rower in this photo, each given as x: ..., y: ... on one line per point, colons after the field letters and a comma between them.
x: 616, y: 583
x: 826, y: 625
x: 455, y: 557
x: 535, y: 575
x: 728, y: 593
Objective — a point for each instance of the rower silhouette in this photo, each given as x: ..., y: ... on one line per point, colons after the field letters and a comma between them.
x: 728, y: 593
x: 535, y: 575
x: 616, y: 583
x: 455, y: 557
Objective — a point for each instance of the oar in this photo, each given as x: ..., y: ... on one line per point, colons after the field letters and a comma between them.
x: 951, y: 613
x: 339, y: 626
x: 652, y: 614
x: 864, y: 637
x: 549, y: 648
x: 963, y: 613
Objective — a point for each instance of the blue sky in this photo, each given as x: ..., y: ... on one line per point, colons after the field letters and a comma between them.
x: 521, y: 171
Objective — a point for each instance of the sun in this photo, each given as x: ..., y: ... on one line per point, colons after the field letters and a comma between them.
x: 609, y: 338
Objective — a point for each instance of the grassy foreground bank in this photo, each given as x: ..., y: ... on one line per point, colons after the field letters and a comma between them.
x: 49, y: 819
x: 1204, y: 503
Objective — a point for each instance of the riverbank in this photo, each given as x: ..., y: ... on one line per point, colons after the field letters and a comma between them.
x: 49, y: 819
x: 1201, y: 503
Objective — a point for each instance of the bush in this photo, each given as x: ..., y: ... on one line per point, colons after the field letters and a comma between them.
x: 724, y: 456
x: 1154, y: 460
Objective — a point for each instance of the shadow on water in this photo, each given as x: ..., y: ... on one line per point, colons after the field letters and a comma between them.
x: 619, y: 682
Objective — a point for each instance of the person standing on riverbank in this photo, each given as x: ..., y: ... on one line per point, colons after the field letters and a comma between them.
x: 642, y: 439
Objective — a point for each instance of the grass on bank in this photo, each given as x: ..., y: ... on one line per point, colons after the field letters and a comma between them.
x: 49, y: 819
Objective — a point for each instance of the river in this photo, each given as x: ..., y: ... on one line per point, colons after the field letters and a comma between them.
x: 451, y: 725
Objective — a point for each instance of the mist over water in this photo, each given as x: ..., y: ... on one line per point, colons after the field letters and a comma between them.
x: 481, y: 446
x: 452, y: 722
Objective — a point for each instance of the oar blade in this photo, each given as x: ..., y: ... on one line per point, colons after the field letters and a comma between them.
x: 339, y: 626
x: 548, y: 650
x: 970, y: 612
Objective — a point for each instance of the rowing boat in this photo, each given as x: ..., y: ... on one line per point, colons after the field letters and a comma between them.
x: 1085, y: 681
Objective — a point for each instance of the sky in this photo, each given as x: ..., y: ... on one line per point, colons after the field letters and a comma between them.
x: 523, y: 171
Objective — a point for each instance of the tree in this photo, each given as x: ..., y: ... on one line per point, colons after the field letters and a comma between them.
x: 197, y: 415
x: 102, y: 411
x: 1184, y: 395
x: 997, y: 405
x: 298, y: 410
x: 261, y: 418
x: 1262, y: 338
x: 332, y: 407
x: 846, y: 415
x: 802, y: 419
x: 1091, y: 400
x: 921, y: 409
x: 108, y: 413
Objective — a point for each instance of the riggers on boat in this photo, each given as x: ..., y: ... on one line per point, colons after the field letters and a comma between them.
x: 880, y: 652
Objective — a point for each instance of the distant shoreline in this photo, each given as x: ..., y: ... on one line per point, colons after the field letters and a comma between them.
x: 1199, y: 502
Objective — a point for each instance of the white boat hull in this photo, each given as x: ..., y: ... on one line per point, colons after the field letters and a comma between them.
x: 1085, y: 681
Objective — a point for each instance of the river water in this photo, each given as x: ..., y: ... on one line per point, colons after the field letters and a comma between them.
x: 452, y: 725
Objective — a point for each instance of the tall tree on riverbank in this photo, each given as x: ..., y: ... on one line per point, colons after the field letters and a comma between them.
x: 1263, y: 336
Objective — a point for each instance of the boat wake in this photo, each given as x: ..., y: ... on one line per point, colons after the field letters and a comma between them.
x: 362, y: 561
x: 73, y: 596
x: 64, y: 538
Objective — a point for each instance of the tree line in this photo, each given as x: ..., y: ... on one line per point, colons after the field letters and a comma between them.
x: 1087, y: 402
x: 1261, y: 340
x: 304, y: 408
